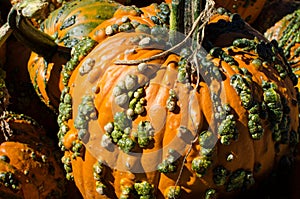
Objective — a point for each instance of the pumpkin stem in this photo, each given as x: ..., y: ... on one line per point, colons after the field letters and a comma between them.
x: 203, y: 17
x: 5, y: 32
x: 31, y: 37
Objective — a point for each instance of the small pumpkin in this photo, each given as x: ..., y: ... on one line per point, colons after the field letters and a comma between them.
x: 159, y: 129
x: 29, y: 162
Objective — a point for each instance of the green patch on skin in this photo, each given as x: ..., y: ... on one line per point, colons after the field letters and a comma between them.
x: 65, y: 107
x: 210, y: 194
x: 173, y: 192
x: 242, y: 87
x: 86, y: 112
x: 144, y: 134
x: 121, y: 121
x: 221, y: 54
x: 172, y: 100
x: 200, y: 165
x: 220, y: 175
x: 118, y: 132
x: 207, y: 139
x: 227, y: 124
x: 274, y: 105
x: 168, y: 165
x: 97, y: 172
x: 9, y: 180
x: 144, y: 190
x: 68, y: 167
x: 239, y: 179
x: 182, y: 70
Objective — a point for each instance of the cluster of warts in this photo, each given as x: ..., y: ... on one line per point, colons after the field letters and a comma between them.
x: 138, y: 189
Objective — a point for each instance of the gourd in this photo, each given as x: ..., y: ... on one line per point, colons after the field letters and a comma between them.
x: 157, y: 129
x: 29, y: 162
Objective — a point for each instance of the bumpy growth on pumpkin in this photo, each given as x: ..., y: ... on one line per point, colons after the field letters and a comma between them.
x: 169, y: 127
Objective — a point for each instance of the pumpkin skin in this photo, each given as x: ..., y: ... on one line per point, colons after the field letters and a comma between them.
x: 93, y: 112
x: 249, y: 10
x: 29, y: 164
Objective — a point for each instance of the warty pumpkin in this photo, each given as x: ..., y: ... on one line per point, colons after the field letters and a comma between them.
x: 29, y: 162
x: 159, y: 129
x: 287, y: 33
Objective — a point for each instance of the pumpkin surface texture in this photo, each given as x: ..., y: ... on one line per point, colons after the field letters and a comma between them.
x: 163, y: 129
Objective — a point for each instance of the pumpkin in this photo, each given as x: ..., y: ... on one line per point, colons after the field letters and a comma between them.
x: 159, y: 129
x: 29, y: 164
x: 65, y: 24
x: 248, y: 9
x: 287, y: 32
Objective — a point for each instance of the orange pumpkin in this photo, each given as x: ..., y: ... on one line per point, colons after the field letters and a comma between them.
x: 159, y: 129
x: 29, y: 164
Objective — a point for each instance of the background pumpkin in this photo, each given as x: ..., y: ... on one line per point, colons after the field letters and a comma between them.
x: 29, y: 164
x: 99, y: 101
x: 287, y: 32
x: 273, y: 11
